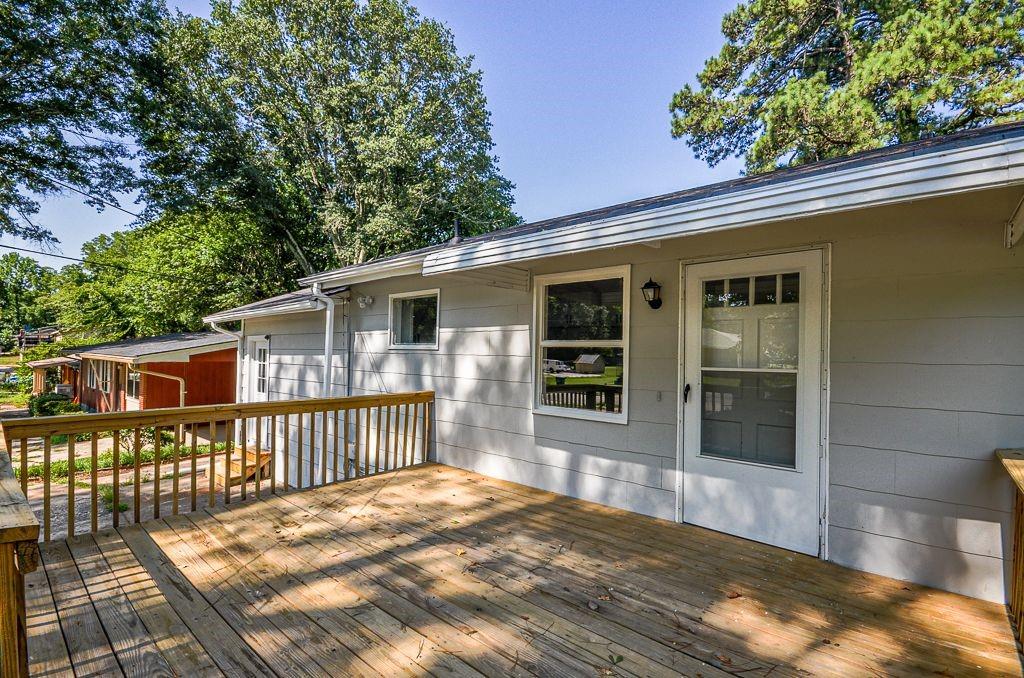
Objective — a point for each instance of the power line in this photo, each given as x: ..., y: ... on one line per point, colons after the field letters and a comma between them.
x: 89, y: 263
x: 104, y: 201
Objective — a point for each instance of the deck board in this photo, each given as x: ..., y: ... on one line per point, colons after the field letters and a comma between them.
x: 434, y: 570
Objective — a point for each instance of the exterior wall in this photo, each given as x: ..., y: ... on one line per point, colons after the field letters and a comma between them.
x: 94, y: 398
x: 927, y: 379
x: 209, y: 380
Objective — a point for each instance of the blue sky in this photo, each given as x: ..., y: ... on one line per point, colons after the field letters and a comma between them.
x: 578, y: 93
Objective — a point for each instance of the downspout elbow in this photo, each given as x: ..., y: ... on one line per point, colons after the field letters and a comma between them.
x: 317, y: 292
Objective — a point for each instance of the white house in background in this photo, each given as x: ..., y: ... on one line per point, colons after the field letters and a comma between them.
x: 837, y: 355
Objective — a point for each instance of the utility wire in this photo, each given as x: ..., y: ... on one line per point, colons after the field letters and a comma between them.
x: 104, y: 201
x: 119, y: 267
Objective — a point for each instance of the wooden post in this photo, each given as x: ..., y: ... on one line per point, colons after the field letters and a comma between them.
x: 157, y: 450
x: 272, y: 434
x: 211, y: 467
x: 71, y: 485
x: 287, y: 436
x: 19, y: 555
x: 176, y: 461
x: 94, y: 500
x: 137, y: 481
x: 115, y: 470
x: 192, y: 474
x: 47, y: 448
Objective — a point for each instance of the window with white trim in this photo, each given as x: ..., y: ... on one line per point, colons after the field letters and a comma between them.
x: 582, y: 343
x: 99, y: 375
x: 262, y: 360
x: 132, y: 384
x: 412, y: 319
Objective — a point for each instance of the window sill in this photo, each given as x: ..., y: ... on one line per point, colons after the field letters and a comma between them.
x: 412, y: 347
x: 587, y: 415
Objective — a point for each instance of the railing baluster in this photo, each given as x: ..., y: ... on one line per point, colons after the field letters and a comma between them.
x: 137, y: 486
x: 366, y: 441
x: 357, y: 472
x: 176, y: 463
x: 312, y: 449
x: 47, y: 449
x: 116, y: 478
x: 229, y: 452
x: 157, y: 453
x: 415, y: 429
x: 388, y: 447
x: 323, y: 448
x: 344, y: 442
x: 71, y: 485
x: 192, y: 489
x: 405, y: 435
x: 94, y: 501
x: 244, y: 439
x: 258, y: 449
x: 287, y: 439
x: 298, y: 451
x: 211, y: 467
x: 272, y: 434
x: 427, y: 423
x: 24, y: 466
x: 376, y: 453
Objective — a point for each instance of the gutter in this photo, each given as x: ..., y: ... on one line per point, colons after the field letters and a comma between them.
x: 239, y: 336
x: 317, y: 292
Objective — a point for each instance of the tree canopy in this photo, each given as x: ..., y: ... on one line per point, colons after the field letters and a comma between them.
x: 349, y: 130
x: 165, y: 276
x: 24, y: 285
x: 66, y: 71
x: 802, y: 81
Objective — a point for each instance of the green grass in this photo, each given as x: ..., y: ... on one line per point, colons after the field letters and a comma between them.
x: 106, y: 493
x: 105, y: 461
x: 14, y: 398
x: 12, y: 359
x: 610, y: 376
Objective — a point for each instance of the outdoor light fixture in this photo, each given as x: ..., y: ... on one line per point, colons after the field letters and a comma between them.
x: 652, y: 293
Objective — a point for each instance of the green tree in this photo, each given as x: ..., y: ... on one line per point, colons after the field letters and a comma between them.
x: 350, y: 130
x: 65, y: 73
x: 165, y: 276
x: 23, y: 283
x: 802, y: 81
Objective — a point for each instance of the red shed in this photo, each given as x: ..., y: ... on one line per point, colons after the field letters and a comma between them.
x: 166, y: 371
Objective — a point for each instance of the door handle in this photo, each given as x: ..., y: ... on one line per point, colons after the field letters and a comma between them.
x: 686, y: 393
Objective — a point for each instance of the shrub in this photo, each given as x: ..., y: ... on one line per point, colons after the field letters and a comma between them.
x: 51, y: 404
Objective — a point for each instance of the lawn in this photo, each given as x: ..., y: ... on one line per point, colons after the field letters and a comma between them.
x: 13, y: 398
x: 609, y: 378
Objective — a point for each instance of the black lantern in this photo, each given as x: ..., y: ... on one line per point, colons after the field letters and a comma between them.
x: 652, y: 293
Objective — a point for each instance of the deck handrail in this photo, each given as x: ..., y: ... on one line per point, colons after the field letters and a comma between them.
x: 19, y: 555
x: 1013, y: 463
x: 327, y: 440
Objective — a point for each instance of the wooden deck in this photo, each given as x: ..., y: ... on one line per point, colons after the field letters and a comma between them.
x: 435, y: 570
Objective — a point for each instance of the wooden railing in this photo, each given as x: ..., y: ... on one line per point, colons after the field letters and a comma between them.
x: 254, y: 447
x: 19, y: 555
x: 605, y: 398
x: 1013, y: 462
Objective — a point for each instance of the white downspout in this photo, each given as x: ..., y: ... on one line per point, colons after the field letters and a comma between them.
x: 239, y: 336
x: 180, y: 380
x: 317, y: 292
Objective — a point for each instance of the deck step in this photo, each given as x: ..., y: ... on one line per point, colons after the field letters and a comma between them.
x: 250, y: 467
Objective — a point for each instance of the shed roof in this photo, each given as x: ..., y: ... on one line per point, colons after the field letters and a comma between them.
x: 588, y: 358
x: 53, y: 362
x: 164, y: 348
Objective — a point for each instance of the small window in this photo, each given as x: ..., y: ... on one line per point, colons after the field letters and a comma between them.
x: 261, y: 370
x: 133, y: 383
x: 581, y: 354
x: 414, y: 319
x: 99, y: 375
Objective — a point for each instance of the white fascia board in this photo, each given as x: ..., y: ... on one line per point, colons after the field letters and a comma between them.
x: 410, y: 264
x: 957, y: 170
x: 294, y: 307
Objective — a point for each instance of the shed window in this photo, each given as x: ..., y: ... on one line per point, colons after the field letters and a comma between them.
x: 132, y: 386
x: 99, y: 375
x: 583, y: 321
x: 414, y: 319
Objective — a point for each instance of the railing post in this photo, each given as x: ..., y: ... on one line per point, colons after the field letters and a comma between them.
x: 19, y: 555
x: 1013, y: 462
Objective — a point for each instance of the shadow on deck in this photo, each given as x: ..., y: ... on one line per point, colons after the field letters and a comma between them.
x: 436, y: 570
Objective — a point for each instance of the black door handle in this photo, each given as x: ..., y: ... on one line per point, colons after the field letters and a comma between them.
x: 686, y: 393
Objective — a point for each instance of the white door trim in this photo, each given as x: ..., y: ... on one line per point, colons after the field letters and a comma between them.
x: 825, y: 377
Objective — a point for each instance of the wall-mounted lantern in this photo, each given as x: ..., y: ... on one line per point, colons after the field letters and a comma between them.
x: 652, y: 293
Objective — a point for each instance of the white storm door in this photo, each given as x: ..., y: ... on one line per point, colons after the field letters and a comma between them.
x: 751, y: 435
x: 258, y: 383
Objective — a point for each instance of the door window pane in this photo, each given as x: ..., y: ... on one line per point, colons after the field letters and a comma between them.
x: 739, y: 292
x: 583, y: 378
x: 714, y: 293
x: 790, y: 288
x: 585, y: 310
x: 747, y: 417
x: 758, y: 336
x: 765, y: 289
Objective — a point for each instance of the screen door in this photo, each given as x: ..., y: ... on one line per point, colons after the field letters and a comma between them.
x: 752, y: 398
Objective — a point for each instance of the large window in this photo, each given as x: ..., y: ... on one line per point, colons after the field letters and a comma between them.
x: 99, y: 375
x: 582, y: 337
x: 413, y: 319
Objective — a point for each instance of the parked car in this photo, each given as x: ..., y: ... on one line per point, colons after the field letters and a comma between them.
x: 556, y: 366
